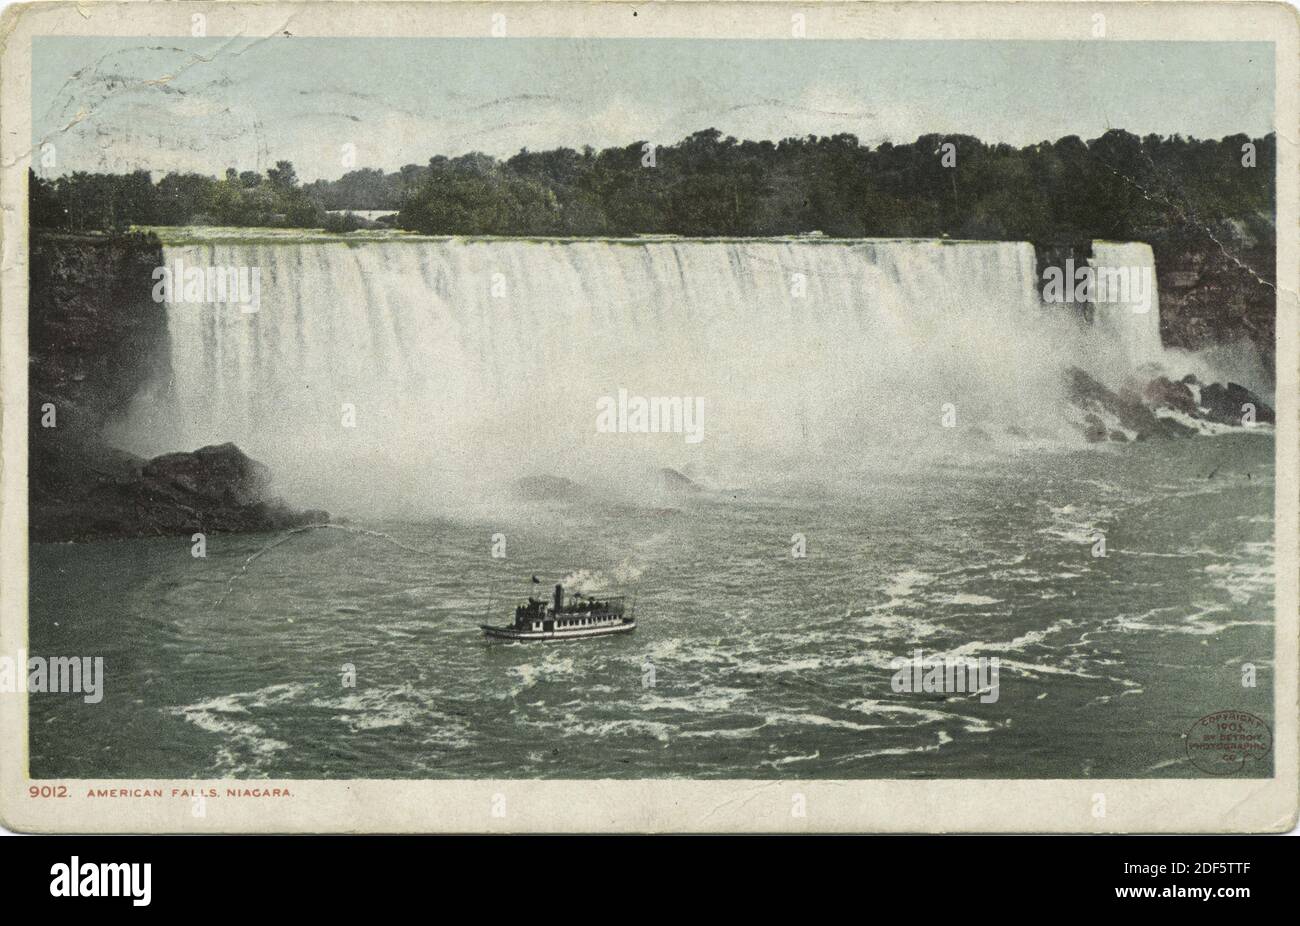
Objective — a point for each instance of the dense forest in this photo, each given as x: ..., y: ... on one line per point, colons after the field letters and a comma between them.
x: 1118, y: 186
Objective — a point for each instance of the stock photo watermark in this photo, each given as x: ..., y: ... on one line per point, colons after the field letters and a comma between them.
x: 211, y: 285
x: 940, y: 673
x: 82, y: 675
x: 637, y: 414
x: 1129, y: 286
x: 76, y: 878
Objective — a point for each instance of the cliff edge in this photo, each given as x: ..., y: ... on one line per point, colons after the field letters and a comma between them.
x: 96, y: 337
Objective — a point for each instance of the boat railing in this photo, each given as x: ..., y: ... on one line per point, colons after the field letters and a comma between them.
x: 537, y: 608
x: 586, y: 605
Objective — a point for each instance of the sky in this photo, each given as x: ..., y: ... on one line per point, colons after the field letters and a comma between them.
x: 329, y: 104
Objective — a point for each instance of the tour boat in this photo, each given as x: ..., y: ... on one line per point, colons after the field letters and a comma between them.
x: 578, y: 619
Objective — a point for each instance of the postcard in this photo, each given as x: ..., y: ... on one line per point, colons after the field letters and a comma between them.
x: 649, y: 417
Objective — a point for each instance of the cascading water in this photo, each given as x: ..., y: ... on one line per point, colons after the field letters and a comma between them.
x: 441, y: 362
x: 1127, y: 308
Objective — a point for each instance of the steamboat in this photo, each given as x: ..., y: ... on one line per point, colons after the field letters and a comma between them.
x: 578, y: 619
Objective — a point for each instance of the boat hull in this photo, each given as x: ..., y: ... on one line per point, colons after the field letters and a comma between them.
x: 577, y: 633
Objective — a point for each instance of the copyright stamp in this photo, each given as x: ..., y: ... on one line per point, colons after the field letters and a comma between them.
x: 1223, y: 743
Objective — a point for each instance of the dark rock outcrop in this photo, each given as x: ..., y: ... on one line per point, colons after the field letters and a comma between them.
x: 544, y: 487
x: 673, y: 482
x: 1219, y: 285
x: 92, y: 493
x: 1228, y: 404
x: 1162, y: 392
x: 1123, y: 409
x: 96, y: 336
x: 1135, y: 409
x: 1094, y: 429
x: 222, y: 474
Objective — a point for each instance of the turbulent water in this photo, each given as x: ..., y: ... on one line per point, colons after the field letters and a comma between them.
x: 763, y: 664
x: 895, y: 404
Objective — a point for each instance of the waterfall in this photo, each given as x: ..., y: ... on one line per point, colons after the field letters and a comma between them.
x: 489, y: 357
x: 1127, y: 310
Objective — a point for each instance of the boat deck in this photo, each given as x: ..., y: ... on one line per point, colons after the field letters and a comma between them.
x: 596, y: 629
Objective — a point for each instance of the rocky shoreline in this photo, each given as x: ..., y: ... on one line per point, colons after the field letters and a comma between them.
x: 96, y: 493
x: 1162, y: 408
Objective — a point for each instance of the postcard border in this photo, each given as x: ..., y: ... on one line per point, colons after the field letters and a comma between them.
x: 655, y: 805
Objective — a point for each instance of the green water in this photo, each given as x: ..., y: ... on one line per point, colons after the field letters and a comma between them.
x: 748, y: 662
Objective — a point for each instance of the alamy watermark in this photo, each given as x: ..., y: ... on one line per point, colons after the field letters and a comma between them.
x: 636, y: 414
x: 82, y: 675
x: 76, y: 878
x: 213, y: 285
x: 1131, y: 286
x: 940, y: 673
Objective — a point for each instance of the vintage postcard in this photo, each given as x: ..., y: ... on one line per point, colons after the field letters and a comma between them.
x: 705, y: 417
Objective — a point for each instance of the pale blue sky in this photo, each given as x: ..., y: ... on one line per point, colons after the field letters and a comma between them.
x: 206, y: 104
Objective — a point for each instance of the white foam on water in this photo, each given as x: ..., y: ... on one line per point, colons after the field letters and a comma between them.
x: 963, y: 599
x: 247, y: 748
x: 790, y: 760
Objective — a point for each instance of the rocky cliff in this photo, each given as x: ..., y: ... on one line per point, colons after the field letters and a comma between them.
x: 1162, y: 408
x: 96, y: 337
x: 95, y: 334
x: 1217, y: 285
x: 1219, y: 290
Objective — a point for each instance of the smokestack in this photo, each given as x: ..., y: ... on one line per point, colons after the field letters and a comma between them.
x: 559, y: 597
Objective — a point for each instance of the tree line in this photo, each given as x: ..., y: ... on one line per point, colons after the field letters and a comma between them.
x: 1169, y: 189
x: 82, y: 202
